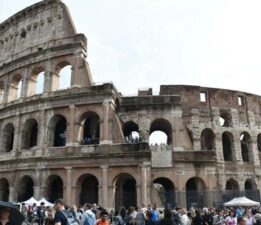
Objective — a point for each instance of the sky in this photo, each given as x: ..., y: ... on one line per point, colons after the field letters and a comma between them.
x: 140, y: 44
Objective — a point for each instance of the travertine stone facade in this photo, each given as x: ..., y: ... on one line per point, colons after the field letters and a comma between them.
x: 78, y: 143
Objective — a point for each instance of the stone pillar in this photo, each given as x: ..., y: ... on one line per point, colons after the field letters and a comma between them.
x: 6, y: 90
x: 104, y: 186
x: 105, y: 130
x: 37, y: 185
x: 68, y: 187
x: 12, y: 194
x: 41, y: 129
x: 144, y: 185
x: 139, y: 194
x: 37, y: 192
x: 17, y: 133
x: 81, y: 76
x: 71, y: 140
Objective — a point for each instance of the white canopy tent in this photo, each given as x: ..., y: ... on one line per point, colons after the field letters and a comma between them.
x: 241, y: 201
x: 46, y: 203
x: 31, y: 201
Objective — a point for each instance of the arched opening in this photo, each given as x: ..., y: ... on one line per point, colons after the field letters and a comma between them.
x: 65, y: 77
x: 40, y: 83
x: 90, y: 128
x: 251, y: 190
x: 207, y: 140
x: 30, y: 134
x: 57, y: 127
x: 195, y: 193
x: 259, y: 142
x: 227, y: 143
x: 163, y: 126
x: 245, y: 141
x: 15, y: 88
x: 232, y: 190
x: 4, y: 190
x: 62, y: 80
x: 125, y: 191
x: 54, y: 188
x: 163, y: 192
x: 131, y: 132
x: 8, y: 137
x: 89, y: 189
x: 25, y: 189
x: 2, y: 88
x: 225, y: 119
x: 158, y: 138
x: 36, y: 82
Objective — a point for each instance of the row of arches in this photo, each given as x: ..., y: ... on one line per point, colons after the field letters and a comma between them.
x: 207, y: 139
x: 89, y: 132
x: 22, y: 85
x: 125, y: 194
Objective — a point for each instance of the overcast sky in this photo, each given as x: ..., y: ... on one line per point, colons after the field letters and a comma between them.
x: 145, y: 43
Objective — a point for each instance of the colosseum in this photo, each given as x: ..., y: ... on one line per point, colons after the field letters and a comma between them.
x: 78, y: 143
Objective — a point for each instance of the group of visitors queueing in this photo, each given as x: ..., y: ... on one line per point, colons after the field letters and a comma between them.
x: 91, y: 214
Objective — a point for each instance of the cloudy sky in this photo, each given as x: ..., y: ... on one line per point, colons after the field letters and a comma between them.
x: 146, y: 43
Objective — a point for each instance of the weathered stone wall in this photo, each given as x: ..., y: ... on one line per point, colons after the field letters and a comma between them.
x: 202, y: 156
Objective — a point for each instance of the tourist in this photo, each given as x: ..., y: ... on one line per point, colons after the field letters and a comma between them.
x: 4, y: 216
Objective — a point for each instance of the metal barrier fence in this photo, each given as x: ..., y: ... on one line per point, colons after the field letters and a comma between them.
x: 202, y: 199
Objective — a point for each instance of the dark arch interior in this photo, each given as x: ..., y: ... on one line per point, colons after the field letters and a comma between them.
x: 227, y: 119
x: 227, y: 146
x: 8, y: 137
x: 4, y: 190
x: 26, y: 189
x: 125, y: 194
x: 259, y: 142
x: 91, y: 130
x: 54, y: 188
x: 207, y: 140
x: 89, y: 190
x: 195, y: 193
x: 245, y: 142
x: 60, y: 132
x: 30, y: 134
x: 166, y: 191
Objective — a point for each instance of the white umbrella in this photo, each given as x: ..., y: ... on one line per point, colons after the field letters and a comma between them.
x: 231, y: 202
x: 241, y: 201
x: 31, y: 201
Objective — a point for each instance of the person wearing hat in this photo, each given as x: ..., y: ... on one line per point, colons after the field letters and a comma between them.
x: 104, y: 218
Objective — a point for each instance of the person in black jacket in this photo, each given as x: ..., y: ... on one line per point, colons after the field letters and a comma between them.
x: 167, y: 220
x: 41, y: 213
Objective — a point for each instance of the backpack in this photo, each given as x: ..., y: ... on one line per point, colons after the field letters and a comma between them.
x: 154, y: 216
x: 89, y: 219
x: 69, y: 218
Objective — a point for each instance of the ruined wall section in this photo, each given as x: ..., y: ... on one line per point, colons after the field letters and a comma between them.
x: 33, y: 28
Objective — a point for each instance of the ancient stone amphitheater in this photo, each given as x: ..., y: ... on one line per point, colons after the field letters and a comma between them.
x: 78, y: 144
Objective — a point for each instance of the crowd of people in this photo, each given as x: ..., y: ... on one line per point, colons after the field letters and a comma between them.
x: 91, y: 214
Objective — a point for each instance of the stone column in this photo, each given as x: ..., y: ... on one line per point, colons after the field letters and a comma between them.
x: 81, y: 76
x: 105, y: 131
x: 139, y: 194
x: 6, y: 90
x: 37, y: 186
x: 41, y: 129
x: 12, y: 194
x: 71, y: 140
x: 104, y: 185
x: 68, y: 187
x: 144, y: 183
x: 17, y: 133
